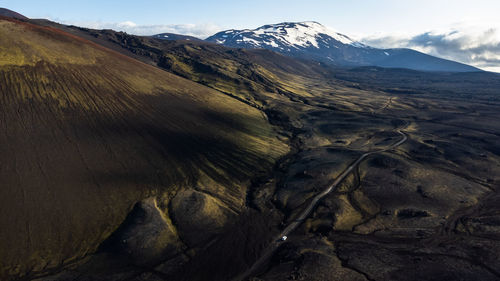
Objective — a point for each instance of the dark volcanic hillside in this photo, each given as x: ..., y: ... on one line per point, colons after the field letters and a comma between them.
x: 11, y: 14
x: 109, y: 130
x: 87, y: 132
x: 311, y: 40
x: 250, y: 75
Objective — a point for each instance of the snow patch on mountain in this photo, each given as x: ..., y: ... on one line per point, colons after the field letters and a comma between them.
x: 287, y: 35
x: 310, y: 40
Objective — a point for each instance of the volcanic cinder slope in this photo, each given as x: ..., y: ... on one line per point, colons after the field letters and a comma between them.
x: 425, y: 210
x: 87, y: 133
x: 11, y: 14
x: 400, y: 216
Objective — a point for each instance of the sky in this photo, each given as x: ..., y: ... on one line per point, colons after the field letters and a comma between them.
x: 463, y: 30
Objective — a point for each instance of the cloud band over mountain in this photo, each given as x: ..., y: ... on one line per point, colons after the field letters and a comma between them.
x: 480, y: 48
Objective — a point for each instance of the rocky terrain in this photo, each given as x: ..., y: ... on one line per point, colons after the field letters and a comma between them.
x: 148, y: 159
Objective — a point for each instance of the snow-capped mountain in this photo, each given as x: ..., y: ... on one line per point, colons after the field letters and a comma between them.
x: 286, y: 37
x: 311, y: 40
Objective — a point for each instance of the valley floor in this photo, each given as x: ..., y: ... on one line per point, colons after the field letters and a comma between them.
x: 421, y: 208
x: 139, y: 159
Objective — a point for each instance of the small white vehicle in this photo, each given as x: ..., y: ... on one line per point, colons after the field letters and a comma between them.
x: 284, y: 238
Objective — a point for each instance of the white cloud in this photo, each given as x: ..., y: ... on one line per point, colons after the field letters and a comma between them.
x: 475, y: 45
x: 127, y: 24
x: 197, y: 30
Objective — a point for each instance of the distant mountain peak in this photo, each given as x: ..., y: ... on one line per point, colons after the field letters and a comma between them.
x: 286, y: 36
x: 313, y: 41
x: 307, y: 33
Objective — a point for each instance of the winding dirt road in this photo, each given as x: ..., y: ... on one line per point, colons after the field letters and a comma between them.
x: 307, y: 211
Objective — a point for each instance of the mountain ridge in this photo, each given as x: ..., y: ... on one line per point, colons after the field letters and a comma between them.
x: 174, y: 36
x: 11, y: 14
x: 177, y: 180
x: 93, y: 132
x: 313, y: 41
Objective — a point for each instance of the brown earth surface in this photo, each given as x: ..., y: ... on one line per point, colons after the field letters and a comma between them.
x: 425, y: 210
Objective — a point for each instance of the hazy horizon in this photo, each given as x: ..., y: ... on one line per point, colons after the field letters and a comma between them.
x: 458, y: 30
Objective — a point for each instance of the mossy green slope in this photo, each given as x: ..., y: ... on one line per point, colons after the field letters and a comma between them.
x: 87, y: 132
x: 253, y: 76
